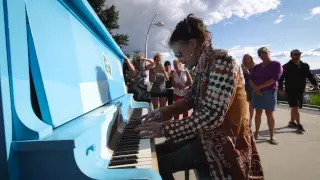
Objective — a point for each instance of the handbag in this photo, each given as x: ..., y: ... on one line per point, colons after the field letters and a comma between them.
x: 140, y: 91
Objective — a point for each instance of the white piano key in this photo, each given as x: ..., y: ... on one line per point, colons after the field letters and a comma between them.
x: 144, y: 164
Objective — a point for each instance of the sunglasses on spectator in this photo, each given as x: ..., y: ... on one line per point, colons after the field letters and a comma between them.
x: 266, y: 52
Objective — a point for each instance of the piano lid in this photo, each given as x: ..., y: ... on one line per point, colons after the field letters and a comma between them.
x: 75, y: 61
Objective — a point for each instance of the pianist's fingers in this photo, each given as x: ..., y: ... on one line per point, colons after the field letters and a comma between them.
x: 143, y: 127
x: 154, y: 127
x: 148, y: 134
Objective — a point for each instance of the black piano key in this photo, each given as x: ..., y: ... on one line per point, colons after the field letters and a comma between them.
x: 126, y: 167
x: 132, y: 142
x: 128, y: 149
x: 124, y: 158
x: 136, y: 146
x: 123, y: 162
x: 124, y: 152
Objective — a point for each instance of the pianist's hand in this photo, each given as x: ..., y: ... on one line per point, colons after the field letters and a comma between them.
x: 150, y: 130
x: 154, y: 116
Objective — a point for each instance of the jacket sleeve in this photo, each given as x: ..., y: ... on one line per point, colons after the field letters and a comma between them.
x: 311, y: 78
x: 282, y: 78
x: 219, y: 92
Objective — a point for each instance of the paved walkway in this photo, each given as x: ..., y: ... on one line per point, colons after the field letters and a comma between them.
x: 297, y: 156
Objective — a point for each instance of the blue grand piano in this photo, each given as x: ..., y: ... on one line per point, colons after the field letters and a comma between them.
x: 65, y: 113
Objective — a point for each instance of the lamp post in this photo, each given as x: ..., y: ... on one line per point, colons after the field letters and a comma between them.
x: 158, y: 24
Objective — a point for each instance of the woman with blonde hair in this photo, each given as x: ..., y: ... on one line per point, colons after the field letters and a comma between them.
x: 158, y: 76
x: 181, y: 80
x: 247, y: 65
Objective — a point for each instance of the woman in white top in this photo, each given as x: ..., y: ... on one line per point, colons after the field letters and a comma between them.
x: 181, y: 80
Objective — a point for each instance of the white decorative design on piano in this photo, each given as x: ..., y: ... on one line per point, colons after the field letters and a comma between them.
x: 94, y: 94
x: 107, y: 66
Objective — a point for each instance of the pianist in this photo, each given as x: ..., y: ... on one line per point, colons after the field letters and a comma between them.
x: 217, y: 135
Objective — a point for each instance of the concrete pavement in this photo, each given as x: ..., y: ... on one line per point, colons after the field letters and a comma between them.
x: 297, y: 155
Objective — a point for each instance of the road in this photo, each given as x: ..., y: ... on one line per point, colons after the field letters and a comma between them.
x: 297, y: 155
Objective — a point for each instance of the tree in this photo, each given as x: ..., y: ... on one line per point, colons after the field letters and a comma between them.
x: 128, y: 55
x: 136, y: 54
x: 109, y: 16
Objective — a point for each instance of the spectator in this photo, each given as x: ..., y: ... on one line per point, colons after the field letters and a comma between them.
x: 140, y: 71
x: 247, y: 65
x: 294, y: 74
x: 158, y: 76
x: 181, y: 82
x: 264, y: 82
x: 167, y: 67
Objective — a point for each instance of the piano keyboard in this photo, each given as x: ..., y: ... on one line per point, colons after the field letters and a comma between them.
x: 132, y: 151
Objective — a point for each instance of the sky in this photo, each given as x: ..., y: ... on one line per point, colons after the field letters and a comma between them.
x: 240, y: 26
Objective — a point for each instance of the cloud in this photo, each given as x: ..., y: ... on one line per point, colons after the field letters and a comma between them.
x: 307, y: 53
x: 316, y: 49
x: 279, y: 20
x: 135, y: 17
x: 237, y: 51
x: 227, y: 23
x: 314, y: 12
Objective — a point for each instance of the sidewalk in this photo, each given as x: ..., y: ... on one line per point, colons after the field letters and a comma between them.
x: 296, y: 157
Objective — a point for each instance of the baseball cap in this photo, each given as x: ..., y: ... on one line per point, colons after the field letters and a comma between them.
x: 296, y: 51
x: 263, y: 50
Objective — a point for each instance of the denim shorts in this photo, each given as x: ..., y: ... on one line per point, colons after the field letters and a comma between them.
x: 267, y: 101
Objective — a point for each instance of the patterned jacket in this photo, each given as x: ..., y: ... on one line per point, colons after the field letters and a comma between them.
x: 218, y: 98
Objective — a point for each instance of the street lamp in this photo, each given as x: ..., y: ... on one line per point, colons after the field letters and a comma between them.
x: 158, y: 24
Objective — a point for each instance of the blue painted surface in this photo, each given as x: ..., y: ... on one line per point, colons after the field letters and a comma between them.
x: 26, y: 125
x: 5, y: 106
x: 66, y: 46
x: 68, y: 54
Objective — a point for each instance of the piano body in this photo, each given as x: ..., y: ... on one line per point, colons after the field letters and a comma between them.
x: 65, y: 112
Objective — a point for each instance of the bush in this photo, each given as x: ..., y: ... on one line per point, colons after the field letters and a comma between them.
x: 315, y: 99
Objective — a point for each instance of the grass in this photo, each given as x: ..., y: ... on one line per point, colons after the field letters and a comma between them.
x: 315, y: 99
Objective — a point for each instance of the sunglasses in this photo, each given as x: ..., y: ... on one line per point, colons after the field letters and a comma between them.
x: 265, y: 52
x: 177, y: 53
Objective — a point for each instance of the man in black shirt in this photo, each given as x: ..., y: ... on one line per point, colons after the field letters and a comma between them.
x: 294, y: 76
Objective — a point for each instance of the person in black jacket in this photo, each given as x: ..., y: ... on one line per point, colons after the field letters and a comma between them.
x: 294, y: 76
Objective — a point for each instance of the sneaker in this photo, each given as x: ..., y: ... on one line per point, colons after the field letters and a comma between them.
x: 273, y: 141
x: 256, y: 135
x: 300, y: 128
x: 292, y: 125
